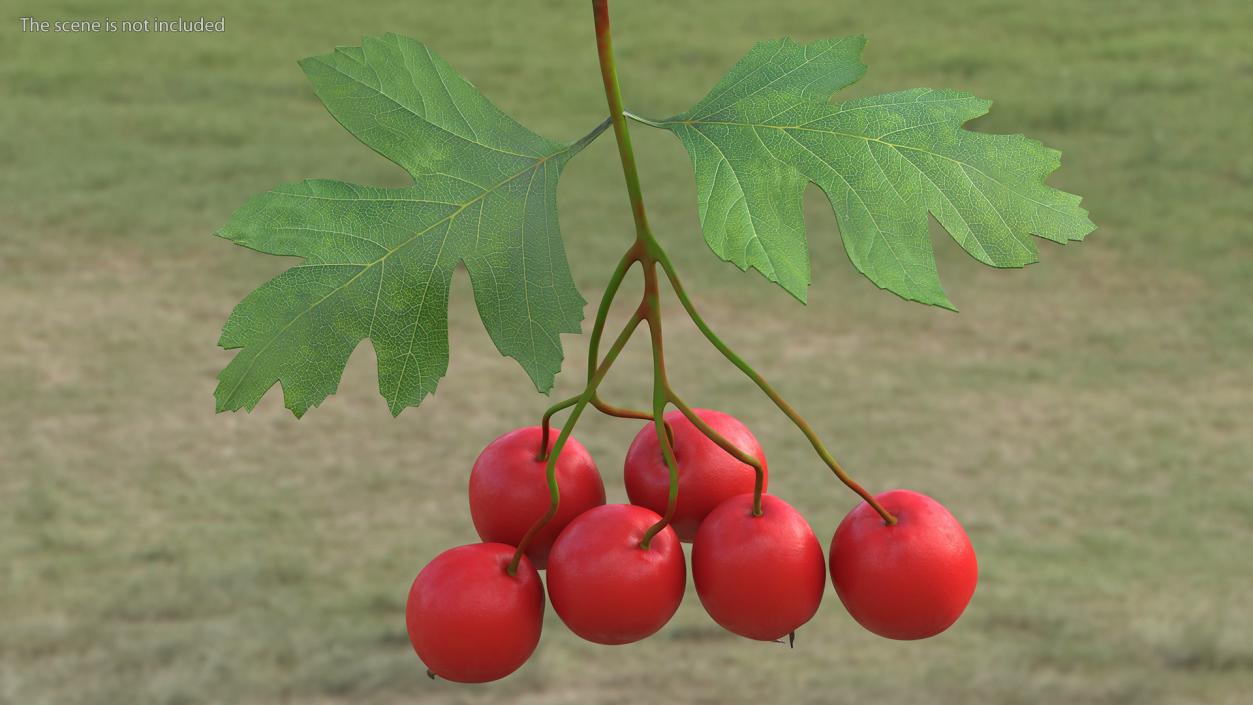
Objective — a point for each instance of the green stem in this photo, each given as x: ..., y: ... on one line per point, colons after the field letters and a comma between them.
x: 623, y: 412
x: 600, y: 405
x: 643, y: 249
x: 547, y: 422
x: 761, y: 382
x: 593, y: 347
x: 602, y: 311
x: 652, y: 309
x: 604, y: 407
x: 760, y: 485
x: 582, y: 402
x: 613, y: 93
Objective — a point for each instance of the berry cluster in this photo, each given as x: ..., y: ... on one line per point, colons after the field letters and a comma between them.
x: 616, y: 573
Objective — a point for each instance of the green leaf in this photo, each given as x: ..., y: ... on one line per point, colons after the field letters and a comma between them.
x: 378, y: 262
x: 766, y: 130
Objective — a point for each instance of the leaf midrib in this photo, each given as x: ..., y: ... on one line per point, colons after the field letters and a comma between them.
x: 695, y: 123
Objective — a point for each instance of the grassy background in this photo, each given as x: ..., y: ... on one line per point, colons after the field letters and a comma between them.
x: 1087, y: 418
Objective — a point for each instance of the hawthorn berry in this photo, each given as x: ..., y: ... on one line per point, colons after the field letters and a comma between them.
x: 708, y: 475
x: 758, y: 576
x: 468, y: 619
x: 908, y: 580
x: 509, y: 489
x: 604, y: 585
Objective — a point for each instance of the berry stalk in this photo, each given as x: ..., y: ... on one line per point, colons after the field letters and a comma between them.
x: 728, y: 446
x: 652, y: 307
x: 584, y: 399
x: 769, y: 391
x: 593, y: 347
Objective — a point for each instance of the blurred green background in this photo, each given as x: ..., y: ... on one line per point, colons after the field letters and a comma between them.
x: 1087, y: 418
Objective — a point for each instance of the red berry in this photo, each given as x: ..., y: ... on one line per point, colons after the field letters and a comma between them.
x: 509, y: 489
x: 468, y: 619
x: 910, y: 580
x: 708, y: 475
x: 760, y: 577
x: 604, y: 586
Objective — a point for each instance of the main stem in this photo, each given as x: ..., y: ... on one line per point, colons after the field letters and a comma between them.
x: 613, y: 93
x: 645, y: 250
